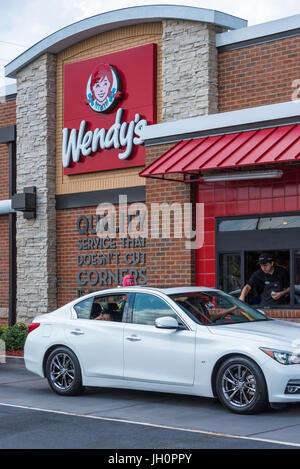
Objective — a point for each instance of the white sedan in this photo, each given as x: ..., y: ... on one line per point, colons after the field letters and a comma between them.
x: 190, y: 340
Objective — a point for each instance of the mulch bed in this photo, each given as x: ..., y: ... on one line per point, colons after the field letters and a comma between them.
x: 14, y: 353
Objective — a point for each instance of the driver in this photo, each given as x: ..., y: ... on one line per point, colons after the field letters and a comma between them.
x: 205, y: 315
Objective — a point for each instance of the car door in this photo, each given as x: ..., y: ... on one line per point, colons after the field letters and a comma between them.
x: 98, y: 343
x: 157, y: 355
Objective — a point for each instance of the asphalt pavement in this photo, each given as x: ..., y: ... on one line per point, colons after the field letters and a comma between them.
x: 33, y: 416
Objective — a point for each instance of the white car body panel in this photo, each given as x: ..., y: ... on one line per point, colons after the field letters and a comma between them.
x: 179, y: 361
x: 159, y: 355
x: 100, y: 352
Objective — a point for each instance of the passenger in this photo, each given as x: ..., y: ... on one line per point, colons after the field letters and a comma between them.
x: 104, y: 317
x: 111, y: 305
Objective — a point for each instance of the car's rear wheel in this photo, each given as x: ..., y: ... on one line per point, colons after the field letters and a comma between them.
x: 63, y: 372
x: 241, y: 386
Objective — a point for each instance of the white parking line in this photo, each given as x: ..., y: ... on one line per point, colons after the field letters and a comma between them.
x: 146, y: 424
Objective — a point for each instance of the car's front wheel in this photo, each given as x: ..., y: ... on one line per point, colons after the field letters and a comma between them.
x: 241, y: 386
x: 63, y: 372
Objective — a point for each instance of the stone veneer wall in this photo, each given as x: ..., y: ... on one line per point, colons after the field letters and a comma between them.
x: 36, y: 238
x: 189, y: 69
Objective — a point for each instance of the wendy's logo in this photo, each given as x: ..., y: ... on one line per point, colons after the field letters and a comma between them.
x: 104, y: 88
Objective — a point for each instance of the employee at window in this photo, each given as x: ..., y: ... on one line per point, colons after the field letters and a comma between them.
x: 272, y: 280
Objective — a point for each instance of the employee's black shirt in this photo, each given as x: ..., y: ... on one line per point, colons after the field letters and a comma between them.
x: 266, y: 283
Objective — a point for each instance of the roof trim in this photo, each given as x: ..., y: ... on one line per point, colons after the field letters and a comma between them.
x: 223, y: 122
x: 108, y: 21
x: 259, y: 33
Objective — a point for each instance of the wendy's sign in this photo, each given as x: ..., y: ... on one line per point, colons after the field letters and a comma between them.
x: 107, y: 102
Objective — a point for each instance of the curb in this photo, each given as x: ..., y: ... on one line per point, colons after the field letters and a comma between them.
x: 10, y: 358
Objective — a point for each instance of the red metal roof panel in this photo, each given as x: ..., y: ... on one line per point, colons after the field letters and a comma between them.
x: 256, y: 147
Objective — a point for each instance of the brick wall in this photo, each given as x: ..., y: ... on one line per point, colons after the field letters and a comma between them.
x: 7, y: 113
x: 258, y: 75
x: 75, y: 255
x: 169, y: 263
x: 7, y: 118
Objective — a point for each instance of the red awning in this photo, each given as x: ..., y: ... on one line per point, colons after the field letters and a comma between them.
x: 256, y: 147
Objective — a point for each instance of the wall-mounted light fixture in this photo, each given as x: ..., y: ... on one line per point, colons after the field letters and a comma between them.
x: 244, y: 175
x: 25, y: 202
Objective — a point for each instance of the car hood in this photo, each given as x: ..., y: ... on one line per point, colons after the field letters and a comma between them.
x: 267, y: 333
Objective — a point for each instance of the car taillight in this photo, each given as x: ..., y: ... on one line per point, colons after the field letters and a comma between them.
x: 32, y: 326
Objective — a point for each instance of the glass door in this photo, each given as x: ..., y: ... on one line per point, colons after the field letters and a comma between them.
x: 229, y: 272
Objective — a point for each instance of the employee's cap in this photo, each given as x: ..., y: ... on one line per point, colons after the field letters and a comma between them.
x: 265, y: 257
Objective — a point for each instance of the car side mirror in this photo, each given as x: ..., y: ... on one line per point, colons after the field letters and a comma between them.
x: 166, y: 322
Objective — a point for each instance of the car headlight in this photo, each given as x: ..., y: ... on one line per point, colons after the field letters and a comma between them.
x: 285, y: 358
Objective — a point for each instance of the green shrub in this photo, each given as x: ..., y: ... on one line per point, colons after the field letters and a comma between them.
x: 15, y: 336
x: 2, y: 330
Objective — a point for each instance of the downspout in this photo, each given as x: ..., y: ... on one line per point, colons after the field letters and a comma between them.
x: 12, y: 220
x: 8, y: 135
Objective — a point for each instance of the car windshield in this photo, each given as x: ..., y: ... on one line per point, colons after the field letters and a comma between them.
x: 216, y: 308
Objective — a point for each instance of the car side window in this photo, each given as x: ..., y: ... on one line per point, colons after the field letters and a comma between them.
x: 108, y: 308
x: 147, y: 308
x: 83, y: 308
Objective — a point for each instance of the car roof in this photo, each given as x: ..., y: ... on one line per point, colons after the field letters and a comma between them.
x: 174, y: 290
x: 149, y: 289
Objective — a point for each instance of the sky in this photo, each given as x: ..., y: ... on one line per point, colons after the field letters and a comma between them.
x: 25, y: 22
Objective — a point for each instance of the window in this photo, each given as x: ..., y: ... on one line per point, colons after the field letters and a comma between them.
x: 209, y: 308
x: 297, y: 277
x: 264, y: 223
x: 83, y: 309
x: 239, y: 243
x: 279, y: 223
x: 230, y: 272
x: 109, y: 308
x: 238, y: 224
x: 147, y: 308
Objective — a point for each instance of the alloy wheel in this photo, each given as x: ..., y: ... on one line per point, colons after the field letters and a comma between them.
x: 62, y: 371
x: 239, y: 385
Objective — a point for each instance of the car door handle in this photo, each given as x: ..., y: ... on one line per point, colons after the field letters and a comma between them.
x: 133, y: 338
x: 77, y: 332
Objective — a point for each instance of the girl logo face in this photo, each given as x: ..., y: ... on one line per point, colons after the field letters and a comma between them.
x: 103, y: 88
